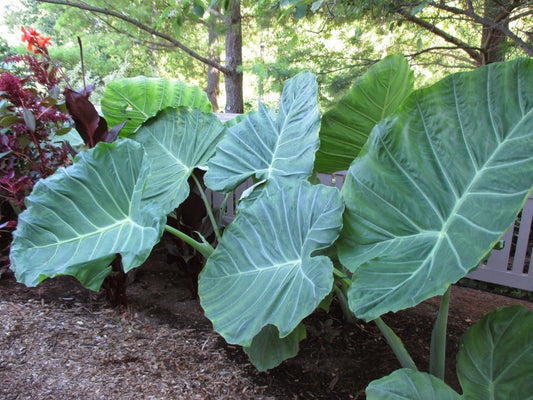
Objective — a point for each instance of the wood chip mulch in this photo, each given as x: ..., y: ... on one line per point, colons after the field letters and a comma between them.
x: 73, y: 353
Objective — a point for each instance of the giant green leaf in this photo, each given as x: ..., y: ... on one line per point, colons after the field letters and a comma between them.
x: 408, y: 384
x: 176, y: 142
x: 268, y: 146
x: 268, y: 350
x: 78, y: 219
x: 347, y: 125
x: 137, y: 99
x: 436, y: 185
x: 265, y: 270
x: 496, y: 356
x: 494, y: 362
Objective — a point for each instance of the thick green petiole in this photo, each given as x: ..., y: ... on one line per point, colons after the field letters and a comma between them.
x: 396, y: 345
x: 204, y: 248
x: 437, y: 355
x: 208, y: 208
x: 339, y: 274
x: 348, y: 314
x: 222, y: 209
x: 341, y: 294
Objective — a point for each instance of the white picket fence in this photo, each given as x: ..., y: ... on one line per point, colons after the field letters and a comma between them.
x: 512, y: 266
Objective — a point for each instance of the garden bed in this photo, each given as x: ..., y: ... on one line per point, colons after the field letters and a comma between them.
x: 60, y: 341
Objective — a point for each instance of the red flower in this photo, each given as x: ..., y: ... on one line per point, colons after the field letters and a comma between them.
x: 43, y: 41
x: 28, y: 36
x: 34, y: 39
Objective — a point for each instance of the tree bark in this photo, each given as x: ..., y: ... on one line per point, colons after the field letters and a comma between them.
x: 494, y: 17
x: 473, y: 53
x: 493, y: 39
x: 213, y: 74
x: 232, y: 70
x: 173, y: 41
x: 233, y: 78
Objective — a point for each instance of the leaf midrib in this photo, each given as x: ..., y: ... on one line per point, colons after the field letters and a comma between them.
x: 101, y: 231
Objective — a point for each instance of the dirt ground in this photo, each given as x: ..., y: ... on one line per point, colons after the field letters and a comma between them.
x: 60, y: 341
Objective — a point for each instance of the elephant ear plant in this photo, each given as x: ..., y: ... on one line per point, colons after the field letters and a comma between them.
x: 437, y: 176
x: 430, y: 194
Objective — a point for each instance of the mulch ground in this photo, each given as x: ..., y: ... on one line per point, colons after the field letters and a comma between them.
x: 60, y: 341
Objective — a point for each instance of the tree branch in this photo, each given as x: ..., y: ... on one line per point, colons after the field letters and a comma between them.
x: 521, y: 15
x: 489, y: 23
x: 136, y: 39
x: 143, y: 27
x: 515, y: 38
x: 471, y: 51
x: 435, y: 50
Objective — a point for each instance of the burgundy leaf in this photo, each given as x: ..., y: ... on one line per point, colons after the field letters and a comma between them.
x: 8, y: 224
x: 87, y: 90
x: 101, y: 131
x: 87, y: 121
x: 112, y: 134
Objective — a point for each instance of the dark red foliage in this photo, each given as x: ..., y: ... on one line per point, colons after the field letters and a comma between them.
x: 30, y: 116
x: 28, y: 122
x: 13, y: 87
x: 91, y: 126
x: 17, y: 187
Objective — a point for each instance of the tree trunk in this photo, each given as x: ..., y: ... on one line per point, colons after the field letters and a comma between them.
x: 233, y: 79
x: 494, y: 41
x: 213, y: 74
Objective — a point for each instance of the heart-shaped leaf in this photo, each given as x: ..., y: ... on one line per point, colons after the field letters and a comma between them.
x: 176, y: 142
x: 436, y: 186
x: 135, y: 100
x: 78, y: 219
x: 347, y: 125
x: 267, y: 146
x: 265, y: 270
x: 408, y: 384
x: 268, y: 350
x: 496, y: 355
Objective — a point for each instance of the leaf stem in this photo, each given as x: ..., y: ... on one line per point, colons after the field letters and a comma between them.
x: 208, y: 208
x: 204, y: 248
x: 348, y: 314
x: 437, y: 352
x: 222, y: 209
x: 82, y: 68
x: 396, y: 345
x: 339, y: 274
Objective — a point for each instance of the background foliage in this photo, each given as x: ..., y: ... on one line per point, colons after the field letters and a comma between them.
x: 336, y: 40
